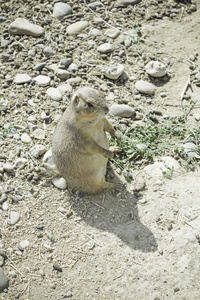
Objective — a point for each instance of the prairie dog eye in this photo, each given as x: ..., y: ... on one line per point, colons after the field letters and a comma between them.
x: 89, y: 104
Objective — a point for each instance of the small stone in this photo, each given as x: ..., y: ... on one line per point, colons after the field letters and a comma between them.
x: 39, y: 134
x: 156, y: 69
x: 42, y: 80
x: 142, y: 147
x: 176, y: 290
x: 39, y: 66
x: 20, y: 163
x: 65, y: 62
x: 114, y: 71
x: 12, y: 274
x: 62, y: 74
x: 25, y: 138
x: 163, y: 94
x: 61, y: 10
x: 14, y: 217
x: 5, y: 206
x: 77, y: 27
x: 95, y: 4
x: 37, y: 150
x: 145, y: 87
x: 105, y: 48
x: 22, y: 78
x: 126, y: 2
x: 2, y: 261
x: 190, y: 149
x: 57, y: 268
x: 48, y: 51
x: 60, y: 183
x: 54, y: 94
x: 65, y: 88
x: 22, y: 26
x: 112, y: 33
x: 4, y: 283
x: 122, y: 110
x: 31, y: 52
x: 8, y: 167
x: 69, y: 294
x: 197, y: 116
x: 24, y: 244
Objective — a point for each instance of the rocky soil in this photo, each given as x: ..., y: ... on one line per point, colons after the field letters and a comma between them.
x: 141, y: 243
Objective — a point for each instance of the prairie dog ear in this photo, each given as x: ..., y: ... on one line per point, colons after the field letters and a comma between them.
x: 75, y: 100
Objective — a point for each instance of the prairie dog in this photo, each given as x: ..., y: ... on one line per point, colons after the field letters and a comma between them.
x: 80, y: 145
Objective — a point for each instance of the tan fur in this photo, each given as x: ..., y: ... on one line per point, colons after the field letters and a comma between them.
x: 80, y: 145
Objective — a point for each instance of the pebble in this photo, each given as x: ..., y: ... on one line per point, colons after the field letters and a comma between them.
x: 31, y: 52
x: 54, y: 94
x: 77, y: 27
x: 14, y: 217
x: 114, y: 71
x: 12, y: 274
x: 65, y: 88
x: 62, y: 74
x: 60, y: 183
x: 48, y: 51
x: 122, y: 110
x: 25, y: 138
x: 22, y: 26
x: 5, y: 206
x: 112, y: 33
x: 42, y: 80
x: 4, y: 283
x: 65, y: 62
x: 69, y: 294
x: 197, y: 116
x: 190, y: 149
x: 145, y: 87
x: 20, y: 163
x: 24, y: 244
x: 126, y: 2
x: 61, y: 10
x: 105, y: 48
x: 156, y: 69
x: 8, y: 167
x: 163, y: 94
x: 39, y: 66
x: 2, y: 261
x: 22, y: 78
x: 39, y: 134
x: 37, y: 150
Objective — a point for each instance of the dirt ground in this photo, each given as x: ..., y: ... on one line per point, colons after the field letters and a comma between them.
x: 112, y: 246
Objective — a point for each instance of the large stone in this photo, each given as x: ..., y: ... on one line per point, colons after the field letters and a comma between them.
x: 114, y: 71
x: 77, y: 27
x: 145, y: 87
x: 61, y: 10
x: 156, y: 69
x: 22, y: 26
x: 160, y: 167
x: 54, y: 94
x: 127, y: 2
x: 42, y: 80
x: 22, y: 78
x: 4, y: 283
x: 122, y: 110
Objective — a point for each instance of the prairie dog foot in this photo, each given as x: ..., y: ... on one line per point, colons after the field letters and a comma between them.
x: 115, y: 149
x: 115, y: 186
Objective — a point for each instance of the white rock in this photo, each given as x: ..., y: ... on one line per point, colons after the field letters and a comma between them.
x: 14, y: 217
x: 39, y: 134
x: 25, y: 138
x: 31, y: 52
x: 65, y: 88
x: 54, y: 94
x: 60, y: 183
x: 5, y: 206
x: 8, y: 167
x: 20, y: 163
x: 22, y: 78
x: 112, y: 33
x: 164, y: 164
x: 145, y: 87
x: 61, y: 10
x: 105, y: 48
x: 48, y: 161
x: 156, y: 69
x: 95, y: 32
x: 37, y: 150
x: 114, y: 71
x: 190, y: 148
x: 22, y: 26
x: 42, y: 80
x: 122, y: 110
x: 24, y: 244
x: 77, y: 27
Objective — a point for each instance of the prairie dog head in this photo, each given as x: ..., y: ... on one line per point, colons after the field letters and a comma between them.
x: 88, y: 104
